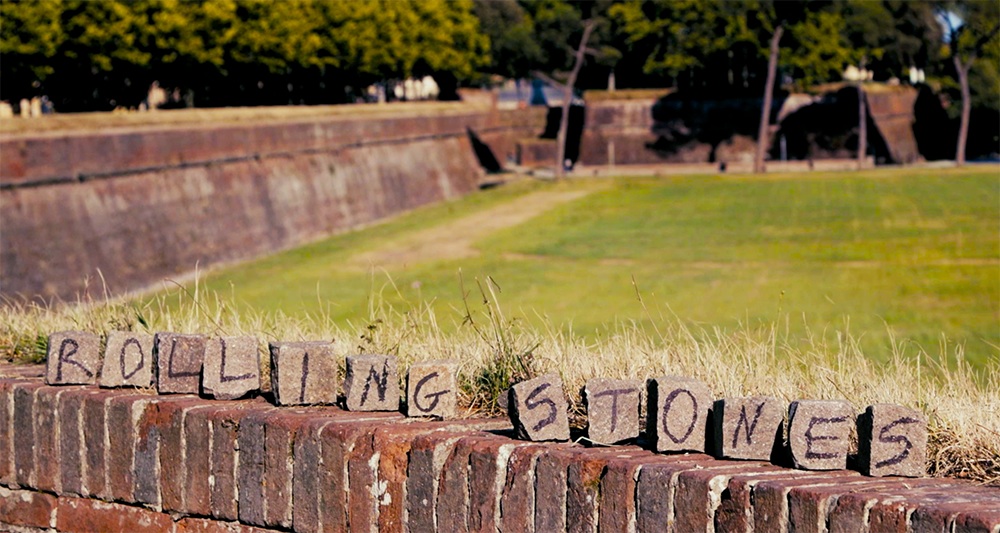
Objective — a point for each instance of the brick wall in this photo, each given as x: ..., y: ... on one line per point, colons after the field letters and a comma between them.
x: 79, y: 458
x: 135, y: 206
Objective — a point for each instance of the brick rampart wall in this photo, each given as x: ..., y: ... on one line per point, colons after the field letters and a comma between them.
x: 79, y: 458
x: 135, y: 206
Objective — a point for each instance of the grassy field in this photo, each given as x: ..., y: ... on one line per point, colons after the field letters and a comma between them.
x: 899, y: 259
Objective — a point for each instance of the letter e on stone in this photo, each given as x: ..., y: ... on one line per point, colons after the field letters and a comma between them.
x: 432, y: 389
x: 892, y: 441
x: 74, y: 357
x: 537, y: 409
x: 819, y: 433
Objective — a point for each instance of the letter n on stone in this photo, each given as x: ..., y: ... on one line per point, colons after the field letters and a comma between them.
x: 432, y: 389
x: 304, y: 373
x: 819, y: 433
x: 372, y: 383
x: 892, y: 441
x: 537, y: 409
x: 128, y: 360
x: 612, y: 409
x: 232, y: 367
x: 179, y: 359
x: 74, y: 357
x: 678, y: 414
x: 747, y: 428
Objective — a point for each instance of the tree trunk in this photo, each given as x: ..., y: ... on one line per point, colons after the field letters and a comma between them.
x: 963, y: 127
x: 764, y: 133
x: 581, y: 51
x: 862, y: 128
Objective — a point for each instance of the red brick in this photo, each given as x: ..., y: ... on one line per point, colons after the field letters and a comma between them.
x: 453, y: 488
x: 427, y: 456
x: 771, y: 497
x: 203, y: 525
x: 656, y: 482
x: 121, y: 422
x: 978, y: 522
x: 697, y: 493
x: 198, y: 457
x: 942, y: 517
x: 7, y: 431
x: 486, y: 476
x: 71, y: 440
x: 517, y: 502
x: 95, y: 444
x: 809, y: 507
x: 553, y: 493
x: 735, y: 511
x: 225, y: 435
x: 307, y: 462
x: 24, y: 432
x: 851, y: 512
x: 250, y: 469
x: 617, y: 489
x: 362, y: 503
x: 26, y: 508
x: 583, y: 479
x: 169, y: 419
x: 86, y: 516
x: 46, y: 442
x: 342, y: 440
x: 279, y: 434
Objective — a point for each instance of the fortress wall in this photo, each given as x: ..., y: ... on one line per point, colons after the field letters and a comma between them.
x: 143, y: 204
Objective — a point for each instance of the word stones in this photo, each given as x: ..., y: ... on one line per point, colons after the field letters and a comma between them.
x: 746, y: 428
x: 74, y: 358
x: 232, y: 367
x: 677, y: 414
x: 537, y: 409
x: 178, y: 362
x: 612, y: 409
x: 128, y: 360
x: 432, y: 389
x: 819, y: 434
x: 303, y: 373
x: 372, y: 383
x: 892, y: 441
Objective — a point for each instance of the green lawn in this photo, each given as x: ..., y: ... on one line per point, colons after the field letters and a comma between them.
x: 910, y: 253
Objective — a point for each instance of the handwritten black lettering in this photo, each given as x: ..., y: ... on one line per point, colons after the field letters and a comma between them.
x: 305, y: 376
x: 885, y: 437
x: 381, y: 382
x: 131, y: 341
x: 185, y: 345
x: 810, y: 438
x: 226, y: 378
x: 750, y: 427
x: 614, y: 393
x: 434, y: 396
x: 668, y: 404
x: 531, y: 405
x: 67, y: 357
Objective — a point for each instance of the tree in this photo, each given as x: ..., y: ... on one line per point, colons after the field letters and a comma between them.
x: 514, y: 51
x: 972, y: 30
x: 30, y: 36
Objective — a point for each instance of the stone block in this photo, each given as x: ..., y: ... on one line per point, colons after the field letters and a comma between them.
x: 232, y: 367
x: 74, y: 357
x: 304, y: 373
x: 819, y: 433
x: 178, y: 362
x: 747, y: 428
x: 537, y: 409
x: 892, y: 441
x: 432, y: 389
x: 678, y: 413
x: 372, y: 383
x: 612, y: 409
x: 128, y: 360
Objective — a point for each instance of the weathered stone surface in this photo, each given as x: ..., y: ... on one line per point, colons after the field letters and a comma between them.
x: 892, y: 441
x: 678, y: 414
x: 612, y: 409
x: 819, y: 434
x: 232, y: 367
x: 179, y: 358
x: 304, y: 373
x: 432, y: 389
x: 746, y: 428
x: 372, y: 383
x: 537, y: 409
x: 128, y: 360
x: 74, y: 357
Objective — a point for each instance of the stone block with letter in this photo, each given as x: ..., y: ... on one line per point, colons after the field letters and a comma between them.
x: 677, y: 414
x: 819, y: 433
x: 232, y: 367
x: 892, y: 441
x: 372, y: 383
x: 537, y: 409
x: 612, y: 409
x: 432, y: 389
x: 128, y: 360
x: 747, y: 428
x: 74, y: 357
x: 304, y: 373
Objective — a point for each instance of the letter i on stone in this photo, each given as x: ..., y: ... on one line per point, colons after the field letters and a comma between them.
x: 432, y: 389
x: 612, y: 409
x: 232, y: 367
x: 74, y: 357
x: 537, y: 409
x: 304, y: 373
x: 892, y: 441
x: 128, y: 360
x: 372, y: 383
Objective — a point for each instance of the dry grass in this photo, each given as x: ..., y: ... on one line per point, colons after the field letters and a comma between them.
x: 495, y: 351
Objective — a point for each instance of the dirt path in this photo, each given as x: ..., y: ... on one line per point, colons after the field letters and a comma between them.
x: 455, y: 239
